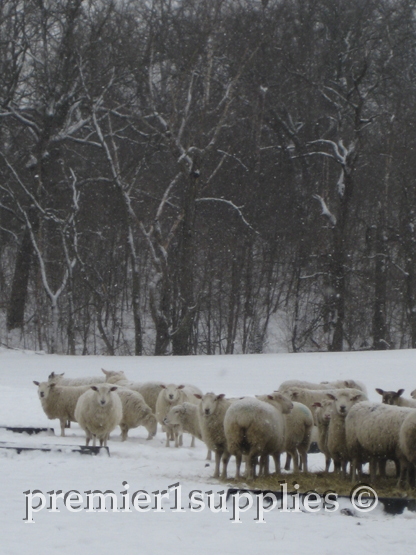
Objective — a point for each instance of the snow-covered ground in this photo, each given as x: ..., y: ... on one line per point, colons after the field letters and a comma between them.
x: 151, y: 467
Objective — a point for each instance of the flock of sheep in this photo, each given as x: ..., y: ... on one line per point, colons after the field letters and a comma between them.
x: 349, y: 428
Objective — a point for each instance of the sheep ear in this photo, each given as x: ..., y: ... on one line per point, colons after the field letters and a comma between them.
x: 52, y: 385
x: 356, y: 397
x: 94, y: 387
x: 331, y: 396
x: 270, y: 396
x: 113, y: 388
x: 106, y: 372
x: 181, y: 386
x: 400, y: 392
x: 295, y: 395
x: 221, y: 396
x: 162, y: 386
x: 36, y: 383
x: 317, y: 404
x: 198, y: 396
x: 379, y: 391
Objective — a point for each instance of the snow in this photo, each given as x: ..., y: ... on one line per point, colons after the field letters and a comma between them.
x: 138, y: 464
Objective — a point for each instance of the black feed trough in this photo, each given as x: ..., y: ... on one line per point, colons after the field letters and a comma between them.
x: 81, y: 449
x: 28, y: 430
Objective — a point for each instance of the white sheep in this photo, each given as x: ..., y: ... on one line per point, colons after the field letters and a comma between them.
x: 308, y: 397
x: 343, y: 400
x: 114, y: 376
x: 338, y: 384
x: 407, y: 444
x: 99, y: 410
x: 322, y: 417
x: 135, y: 413
x: 169, y: 396
x: 211, y: 412
x: 395, y: 398
x: 59, y: 401
x: 256, y: 429
x: 149, y: 390
x: 413, y: 394
x: 60, y: 380
x: 372, y: 433
x: 298, y: 433
x: 185, y: 419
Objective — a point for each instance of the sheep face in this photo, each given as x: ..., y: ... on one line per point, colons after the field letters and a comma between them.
x: 281, y: 402
x: 113, y: 376
x: 325, y: 409
x: 103, y: 393
x: 342, y: 402
x: 172, y: 394
x: 55, y: 377
x: 44, y: 389
x: 174, y: 415
x: 209, y: 403
x: 390, y: 397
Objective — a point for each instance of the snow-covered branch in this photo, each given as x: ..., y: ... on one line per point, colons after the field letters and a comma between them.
x: 325, y: 211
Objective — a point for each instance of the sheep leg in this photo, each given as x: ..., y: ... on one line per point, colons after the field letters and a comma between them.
x: 295, y: 461
x: 264, y: 465
x: 373, y: 469
x: 304, y: 460
x: 225, y: 459
x: 124, y: 431
x: 209, y: 455
x: 218, y: 455
x: 288, y: 461
x: 276, y: 458
x: 63, y: 423
x: 168, y: 434
x: 94, y: 440
x: 251, y: 467
x: 238, y: 458
x: 403, y: 472
x: 382, y: 468
x: 193, y: 441
x: 327, y: 463
x: 411, y: 475
x: 180, y: 435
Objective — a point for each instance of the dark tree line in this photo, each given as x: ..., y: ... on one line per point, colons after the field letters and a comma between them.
x: 187, y: 177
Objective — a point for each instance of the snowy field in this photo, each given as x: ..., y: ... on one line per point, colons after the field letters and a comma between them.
x: 151, y: 467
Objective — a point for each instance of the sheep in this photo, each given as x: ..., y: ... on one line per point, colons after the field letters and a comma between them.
x: 338, y: 384
x: 114, y: 376
x: 255, y: 428
x: 308, y: 396
x: 343, y: 400
x: 298, y: 432
x: 169, y: 396
x: 322, y: 417
x: 211, y: 412
x: 59, y: 401
x: 372, y: 433
x: 99, y: 410
x: 395, y: 398
x: 185, y: 418
x: 60, y: 380
x: 135, y: 413
x: 413, y: 394
x: 407, y: 444
x: 149, y: 390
